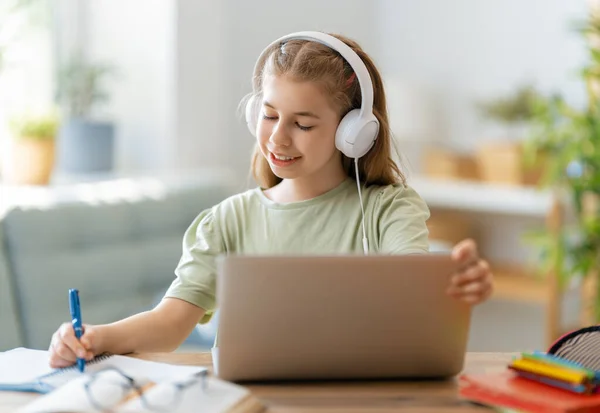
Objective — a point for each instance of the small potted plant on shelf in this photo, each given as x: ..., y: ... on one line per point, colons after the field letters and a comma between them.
x: 501, y: 160
x: 33, y: 148
x: 86, y: 144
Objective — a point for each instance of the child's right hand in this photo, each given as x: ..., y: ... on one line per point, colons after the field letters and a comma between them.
x: 65, y: 347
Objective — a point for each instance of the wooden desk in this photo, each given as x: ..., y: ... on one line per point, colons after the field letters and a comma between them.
x: 337, y: 397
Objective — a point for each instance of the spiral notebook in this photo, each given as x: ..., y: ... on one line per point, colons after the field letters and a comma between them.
x: 28, y: 370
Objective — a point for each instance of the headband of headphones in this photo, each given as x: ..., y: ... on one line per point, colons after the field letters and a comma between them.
x: 355, y: 62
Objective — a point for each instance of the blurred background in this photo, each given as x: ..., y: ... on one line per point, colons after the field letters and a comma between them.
x: 119, y: 122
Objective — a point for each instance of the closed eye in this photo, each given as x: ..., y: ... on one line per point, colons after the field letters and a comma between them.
x: 304, y: 128
x: 301, y: 127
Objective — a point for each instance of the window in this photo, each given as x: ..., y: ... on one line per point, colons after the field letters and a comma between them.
x: 26, y: 62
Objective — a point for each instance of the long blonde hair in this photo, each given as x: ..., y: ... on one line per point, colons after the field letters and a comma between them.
x: 305, y: 60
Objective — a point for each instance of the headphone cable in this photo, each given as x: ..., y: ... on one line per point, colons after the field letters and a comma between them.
x: 362, y: 209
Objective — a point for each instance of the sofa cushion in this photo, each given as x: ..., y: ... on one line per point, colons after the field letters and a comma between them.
x: 119, y: 252
x: 10, y: 324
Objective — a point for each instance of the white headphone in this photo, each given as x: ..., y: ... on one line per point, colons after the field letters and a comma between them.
x: 359, y: 128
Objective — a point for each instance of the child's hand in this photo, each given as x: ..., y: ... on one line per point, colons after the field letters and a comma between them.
x: 65, y: 347
x: 473, y: 282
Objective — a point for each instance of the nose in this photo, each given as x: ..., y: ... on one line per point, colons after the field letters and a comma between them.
x: 279, y: 136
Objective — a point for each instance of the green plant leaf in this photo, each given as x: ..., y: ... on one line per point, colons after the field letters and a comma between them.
x: 80, y: 85
x: 514, y: 108
x: 569, y: 138
x: 35, y: 126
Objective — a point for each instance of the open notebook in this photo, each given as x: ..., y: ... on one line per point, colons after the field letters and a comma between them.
x: 69, y: 390
x: 28, y: 370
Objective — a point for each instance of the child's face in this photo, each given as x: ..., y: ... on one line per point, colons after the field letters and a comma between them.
x: 296, y: 129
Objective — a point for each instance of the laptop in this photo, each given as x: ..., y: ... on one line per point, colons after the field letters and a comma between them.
x: 338, y: 317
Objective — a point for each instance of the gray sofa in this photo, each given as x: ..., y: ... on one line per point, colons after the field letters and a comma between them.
x: 117, y: 241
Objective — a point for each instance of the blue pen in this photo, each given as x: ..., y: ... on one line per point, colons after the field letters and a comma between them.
x: 76, y: 317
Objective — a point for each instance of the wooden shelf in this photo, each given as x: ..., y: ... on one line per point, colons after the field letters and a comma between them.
x: 514, y: 283
x: 482, y: 197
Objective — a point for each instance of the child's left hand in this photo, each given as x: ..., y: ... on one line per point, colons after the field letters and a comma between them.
x: 473, y: 282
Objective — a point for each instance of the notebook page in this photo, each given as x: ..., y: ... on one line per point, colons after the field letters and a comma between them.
x: 69, y: 398
x: 140, y: 370
x: 23, y: 365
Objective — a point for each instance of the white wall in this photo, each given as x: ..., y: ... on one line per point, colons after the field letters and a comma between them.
x: 218, y: 45
x: 186, y: 64
x: 447, y: 55
x: 200, y: 85
x: 138, y: 37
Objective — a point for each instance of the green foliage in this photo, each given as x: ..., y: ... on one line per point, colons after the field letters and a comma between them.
x: 569, y: 138
x: 35, y: 126
x: 510, y: 109
x: 80, y: 86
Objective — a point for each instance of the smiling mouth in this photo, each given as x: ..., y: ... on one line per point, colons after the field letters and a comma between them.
x: 281, y: 160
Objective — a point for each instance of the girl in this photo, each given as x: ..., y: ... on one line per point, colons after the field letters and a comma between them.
x: 310, y: 93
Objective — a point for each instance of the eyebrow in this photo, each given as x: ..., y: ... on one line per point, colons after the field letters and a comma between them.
x: 304, y: 113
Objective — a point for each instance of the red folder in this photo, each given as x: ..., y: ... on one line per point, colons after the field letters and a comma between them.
x: 508, y: 390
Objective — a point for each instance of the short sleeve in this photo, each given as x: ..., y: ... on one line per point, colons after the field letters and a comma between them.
x: 195, y: 280
x: 402, y: 221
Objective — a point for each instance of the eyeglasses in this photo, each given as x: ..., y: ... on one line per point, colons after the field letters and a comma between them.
x: 109, y: 387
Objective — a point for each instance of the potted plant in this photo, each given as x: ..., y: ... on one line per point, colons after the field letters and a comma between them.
x: 86, y: 144
x: 501, y: 160
x: 569, y: 137
x: 512, y: 109
x: 33, y: 145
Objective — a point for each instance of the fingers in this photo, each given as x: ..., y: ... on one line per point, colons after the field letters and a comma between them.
x: 471, y: 273
x: 65, y: 348
x: 60, y: 354
x: 477, y: 287
x: 67, y: 335
x: 473, y: 284
x: 465, y: 252
x: 472, y: 299
x: 88, y: 338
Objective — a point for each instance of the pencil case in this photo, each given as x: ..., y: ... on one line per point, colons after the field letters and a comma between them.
x: 571, y: 363
x: 580, y: 346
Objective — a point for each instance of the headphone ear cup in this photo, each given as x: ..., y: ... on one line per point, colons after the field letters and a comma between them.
x: 356, y: 135
x: 252, y: 115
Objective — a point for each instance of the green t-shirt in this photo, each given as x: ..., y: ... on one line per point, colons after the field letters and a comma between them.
x: 250, y: 223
